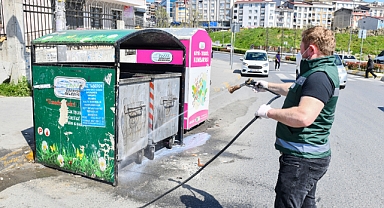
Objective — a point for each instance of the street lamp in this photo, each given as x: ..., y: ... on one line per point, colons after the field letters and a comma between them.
x: 350, y: 29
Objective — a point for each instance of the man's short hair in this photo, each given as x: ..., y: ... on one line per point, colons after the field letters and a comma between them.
x: 323, y: 38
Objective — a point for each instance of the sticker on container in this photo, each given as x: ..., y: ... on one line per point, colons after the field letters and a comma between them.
x: 202, y: 45
x: 68, y: 87
x: 163, y: 57
x: 47, y: 132
x: 92, y: 105
x: 40, y: 131
x: 42, y: 86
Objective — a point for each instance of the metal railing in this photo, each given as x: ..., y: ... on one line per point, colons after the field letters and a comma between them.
x: 38, y: 19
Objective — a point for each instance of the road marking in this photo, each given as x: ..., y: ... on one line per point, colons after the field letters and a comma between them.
x: 282, y: 76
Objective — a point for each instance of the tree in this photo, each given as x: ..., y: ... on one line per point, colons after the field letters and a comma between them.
x: 195, y: 18
x: 161, y: 17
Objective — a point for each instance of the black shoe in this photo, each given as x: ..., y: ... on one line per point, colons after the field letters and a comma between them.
x: 374, y: 77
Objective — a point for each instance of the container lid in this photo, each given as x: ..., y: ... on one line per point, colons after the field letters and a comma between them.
x: 125, y: 39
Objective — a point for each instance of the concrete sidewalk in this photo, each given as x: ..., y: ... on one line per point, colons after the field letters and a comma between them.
x: 362, y: 74
x: 16, y: 131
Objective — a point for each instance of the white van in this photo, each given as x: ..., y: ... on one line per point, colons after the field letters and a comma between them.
x: 255, y: 62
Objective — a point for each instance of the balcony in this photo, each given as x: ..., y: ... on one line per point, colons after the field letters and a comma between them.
x: 129, y: 2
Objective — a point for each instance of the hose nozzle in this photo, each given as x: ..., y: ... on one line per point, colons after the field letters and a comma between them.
x: 248, y: 82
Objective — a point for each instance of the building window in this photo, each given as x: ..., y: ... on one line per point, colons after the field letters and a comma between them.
x: 96, y: 17
x: 116, y: 15
x: 74, y: 14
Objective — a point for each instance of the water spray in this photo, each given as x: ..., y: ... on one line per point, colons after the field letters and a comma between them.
x: 249, y: 83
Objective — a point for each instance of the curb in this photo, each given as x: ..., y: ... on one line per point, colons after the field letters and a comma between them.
x: 362, y: 74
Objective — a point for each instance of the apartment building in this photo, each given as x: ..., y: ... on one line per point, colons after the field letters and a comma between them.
x: 284, y: 17
x: 308, y: 14
x: 181, y: 12
x: 255, y: 13
x: 168, y: 5
x: 375, y: 10
x: 151, y: 12
x: 344, y: 18
x: 215, y: 12
x: 345, y: 4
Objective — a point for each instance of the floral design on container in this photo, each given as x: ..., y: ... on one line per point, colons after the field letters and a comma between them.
x: 199, y: 90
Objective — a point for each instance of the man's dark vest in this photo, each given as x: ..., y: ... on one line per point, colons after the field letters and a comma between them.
x: 311, y: 141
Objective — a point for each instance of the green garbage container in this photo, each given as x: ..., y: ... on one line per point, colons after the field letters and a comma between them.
x: 91, y: 112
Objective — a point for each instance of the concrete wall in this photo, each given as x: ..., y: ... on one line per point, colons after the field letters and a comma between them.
x: 12, y: 50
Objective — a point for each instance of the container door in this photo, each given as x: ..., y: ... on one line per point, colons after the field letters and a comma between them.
x: 133, y: 119
x: 166, y: 107
x: 74, y: 116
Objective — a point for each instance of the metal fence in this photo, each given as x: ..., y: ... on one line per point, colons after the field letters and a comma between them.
x: 92, y: 14
x: 38, y: 19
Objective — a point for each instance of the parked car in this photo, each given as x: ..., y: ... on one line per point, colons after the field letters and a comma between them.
x: 228, y: 46
x: 379, y: 58
x: 348, y: 58
x: 255, y: 62
x: 340, y: 68
x: 342, y: 72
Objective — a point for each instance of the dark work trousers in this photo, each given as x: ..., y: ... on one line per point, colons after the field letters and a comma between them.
x: 369, y: 71
x: 296, y: 184
x: 277, y: 64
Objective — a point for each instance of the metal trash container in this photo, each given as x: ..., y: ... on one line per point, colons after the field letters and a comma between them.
x: 132, y: 122
x: 164, y: 109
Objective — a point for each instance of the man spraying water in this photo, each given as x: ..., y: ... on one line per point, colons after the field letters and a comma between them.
x: 305, y: 120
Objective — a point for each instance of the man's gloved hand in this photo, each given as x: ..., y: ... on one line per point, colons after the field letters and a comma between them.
x: 263, y: 111
x: 260, y: 86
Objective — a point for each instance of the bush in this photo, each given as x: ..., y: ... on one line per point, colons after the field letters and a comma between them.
x: 216, y: 48
x: 292, y: 58
x: 21, y: 89
x: 238, y: 50
x: 287, y: 58
x: 378, y: 67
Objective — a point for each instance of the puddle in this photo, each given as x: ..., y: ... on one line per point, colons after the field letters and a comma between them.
x: 135, y: 171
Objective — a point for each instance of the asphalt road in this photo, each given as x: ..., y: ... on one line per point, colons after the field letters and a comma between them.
x: 245, y: 174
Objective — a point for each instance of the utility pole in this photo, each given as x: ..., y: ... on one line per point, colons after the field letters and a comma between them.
x: 266, y: 41
x: 185, y: 12
x: 282, y: 40
x: 60, y: 26
x: 350, y: 29
x: 209, y: 13
x: 294, y: 41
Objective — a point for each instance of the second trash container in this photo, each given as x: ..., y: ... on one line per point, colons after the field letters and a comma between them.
x: 164, y: 110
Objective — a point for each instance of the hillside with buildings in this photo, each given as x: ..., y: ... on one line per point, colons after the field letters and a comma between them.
x: 219, y: 14
x: 289, y: 40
